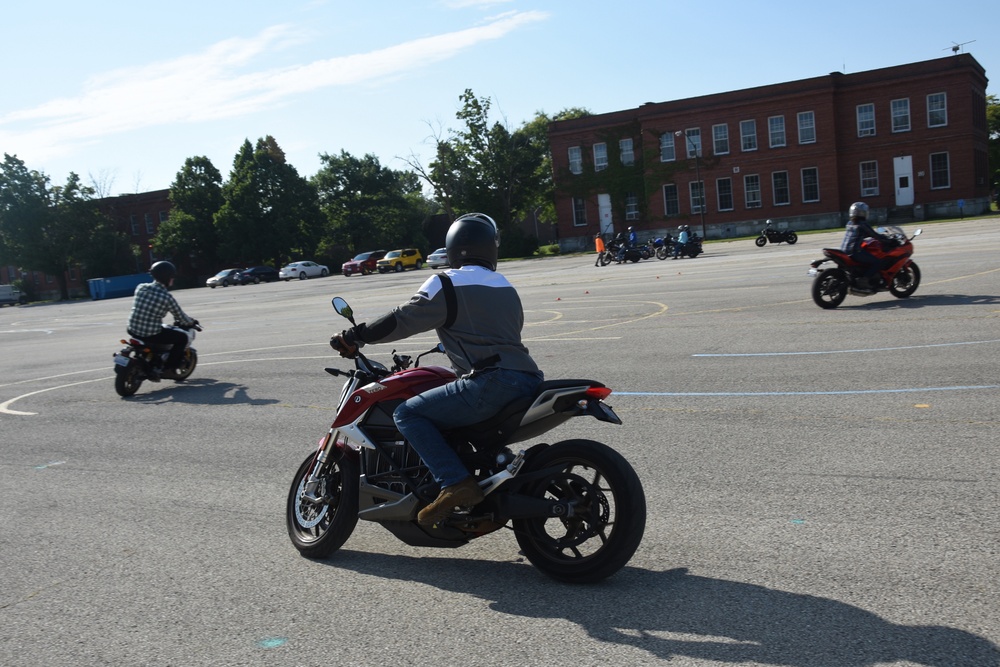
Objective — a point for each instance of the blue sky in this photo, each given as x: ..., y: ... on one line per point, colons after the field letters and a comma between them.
x: 123, y: 92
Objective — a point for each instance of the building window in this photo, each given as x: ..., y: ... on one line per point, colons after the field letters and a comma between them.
x: 776, y: 131
x: 807, y: 127
x: 671, y: 204
x: 810, y: 184
x: 626, y: 152
x: 720, y: 139
x: 869, y: 178
x: 866, y: 120
x: 937, y: 110
x: 667, y: 152
x: 751, y: 189
x: 600, y: 157
x: 163, y: 216
x: 133, y: 223
x: 150, y: 226
x: 940, y: 174
x: 575, y: 160
x: 697, y: 189
x: 724, y: 192
x: 631, y: 206
x: 693, y: 142
x: 748, y: 135
x: 579, y: 212
x: 779, y: 182
x: 901, y: 115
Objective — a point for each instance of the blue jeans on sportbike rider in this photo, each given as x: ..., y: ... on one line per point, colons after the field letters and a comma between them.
x: 468, y: 400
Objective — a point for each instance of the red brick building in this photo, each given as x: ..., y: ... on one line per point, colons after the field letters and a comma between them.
x: 910, y: 140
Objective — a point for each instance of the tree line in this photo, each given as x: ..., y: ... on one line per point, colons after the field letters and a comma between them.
x: 265, y: 212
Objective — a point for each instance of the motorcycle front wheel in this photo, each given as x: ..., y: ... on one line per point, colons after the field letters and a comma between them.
x: 608, y: 520
x: 188, y: 363
x: 791, y: 238
x: 661, y: 252
x: 905, y: 282
x: 319, y: 529
x: 128, y: 379
x: 761, y: 241
x: 830, y: 288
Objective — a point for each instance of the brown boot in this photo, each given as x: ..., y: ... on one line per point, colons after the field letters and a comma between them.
x: 465, y: 493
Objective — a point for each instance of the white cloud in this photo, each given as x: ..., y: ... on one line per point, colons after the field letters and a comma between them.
x: 214, y: 84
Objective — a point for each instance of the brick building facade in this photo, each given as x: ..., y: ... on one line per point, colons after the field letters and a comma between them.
x: 909, y: 140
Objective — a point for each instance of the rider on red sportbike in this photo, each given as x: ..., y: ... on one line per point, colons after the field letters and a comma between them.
x: 857, y: 231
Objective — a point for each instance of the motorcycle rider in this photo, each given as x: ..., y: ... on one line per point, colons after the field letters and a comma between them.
x: 478, y: 318
x: 858, y: 230
x: 682, y: 238
x: 627, y: 241
x: 149, y: 306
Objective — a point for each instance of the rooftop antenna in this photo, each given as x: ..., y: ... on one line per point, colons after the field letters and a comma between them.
x: 956, y: 47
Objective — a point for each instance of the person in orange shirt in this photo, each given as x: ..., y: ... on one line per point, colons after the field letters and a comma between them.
x: 599, y: 246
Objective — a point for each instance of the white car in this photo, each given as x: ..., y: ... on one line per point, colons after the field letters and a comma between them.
x: 303, y: 270
x: 438, y: 258
x: 224, y: 278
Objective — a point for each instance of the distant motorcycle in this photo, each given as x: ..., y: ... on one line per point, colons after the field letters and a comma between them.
x: 139, y: 361
x: 692, y: 248
x: 775, y: 236
x: 663, y: 246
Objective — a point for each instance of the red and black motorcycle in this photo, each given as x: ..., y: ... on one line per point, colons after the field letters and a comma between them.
x: 576, y: 507
x: 899, y: 275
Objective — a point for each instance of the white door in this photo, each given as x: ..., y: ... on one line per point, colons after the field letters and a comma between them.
x: 604, y: 212
x: 902, y: 168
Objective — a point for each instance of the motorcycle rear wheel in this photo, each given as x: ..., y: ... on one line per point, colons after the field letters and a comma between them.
x: 905, y: 282
x: 128, y: 380
x: 609, y: 519
x: 761, y: 241
x: 319, y: 530
x: 830, y: 288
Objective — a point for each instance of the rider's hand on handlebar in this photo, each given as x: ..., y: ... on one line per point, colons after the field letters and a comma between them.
x: 345, y: 349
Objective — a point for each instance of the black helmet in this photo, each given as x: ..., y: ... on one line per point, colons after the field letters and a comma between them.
x: 162, y: 272
x: 473, y: 239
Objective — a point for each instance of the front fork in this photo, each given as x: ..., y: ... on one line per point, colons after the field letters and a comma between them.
x: 328, y: 442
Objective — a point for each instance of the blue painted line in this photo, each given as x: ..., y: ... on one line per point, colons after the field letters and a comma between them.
x: 804, y: 393
x: 873, y: 349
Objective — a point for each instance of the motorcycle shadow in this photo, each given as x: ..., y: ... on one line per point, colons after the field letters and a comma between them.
x: 926, y: 301
x: 197, y: 391
x: 676, y: 614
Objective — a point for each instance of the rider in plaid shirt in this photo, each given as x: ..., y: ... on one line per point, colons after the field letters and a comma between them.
x: 152, y: 302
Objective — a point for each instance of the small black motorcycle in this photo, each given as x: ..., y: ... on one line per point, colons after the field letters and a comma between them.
x: 775, y: 236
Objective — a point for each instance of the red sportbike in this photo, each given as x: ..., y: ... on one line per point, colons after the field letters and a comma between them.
x: 899, y: 275
x: 576, y: 507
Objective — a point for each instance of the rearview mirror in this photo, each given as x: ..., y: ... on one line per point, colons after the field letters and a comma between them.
x: 342, y: 308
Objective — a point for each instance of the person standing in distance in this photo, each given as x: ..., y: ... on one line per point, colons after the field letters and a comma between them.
x: 478, y: 317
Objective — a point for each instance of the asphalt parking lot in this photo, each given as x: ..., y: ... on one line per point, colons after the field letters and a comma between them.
x: 822, y: 485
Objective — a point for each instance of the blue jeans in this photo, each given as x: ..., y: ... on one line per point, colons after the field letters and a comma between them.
x: 467, y: 400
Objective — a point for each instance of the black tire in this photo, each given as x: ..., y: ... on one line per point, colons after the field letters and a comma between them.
x: 303, y: 275
x: 420, y: 265
x: 661, y: 252
x: 225, y: 283
x: 187, y: 366
x: 610, y: 518
x: 830, y: 288
x: 905, y: 282
x: 319, y: 530
x: 128, y: 379
x: 256, y: 280
x: 791, y: 237
x: 398, y: 267
x: 761, y: 241
x: 324, y: 273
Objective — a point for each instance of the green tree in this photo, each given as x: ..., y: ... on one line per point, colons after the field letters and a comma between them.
x: 369, y: 206
x: 52, y: 228
x: 189, y: 231
x: 269, y: 213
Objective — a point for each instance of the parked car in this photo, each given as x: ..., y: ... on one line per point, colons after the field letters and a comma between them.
x: 258, y: 274
x: 363, y: 263
x: 397, y: 260
x: 438, y: 258
x: 11, y: 295
x: 303, y: 270
x: 225, y: 278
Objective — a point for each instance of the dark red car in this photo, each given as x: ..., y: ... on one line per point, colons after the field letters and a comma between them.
x: 363, y: 263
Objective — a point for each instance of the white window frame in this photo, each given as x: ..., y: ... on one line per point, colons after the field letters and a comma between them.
x: 805, y: 184
x: 868, y: 172
x: 579, y: 212
x: 748, y: 135
x: 751, y: 186
x: 699, y: 187
x: 947, y: 171
x: 776, y: 132
x: 150, y: 225
x: 900, y: 111
x: 626, y: 152
x: 935, y: 108
x: 668, y: 149
x: 600, y: 156
x: 631, y: 206
x: 866, y: 119
x: 724, y: 186
x: 720, y: 139
x: 807, y: 127
x: 670, y: 194
x: 692, y: 143
x: 775, y: 189
x: 575, y: 154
